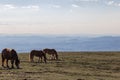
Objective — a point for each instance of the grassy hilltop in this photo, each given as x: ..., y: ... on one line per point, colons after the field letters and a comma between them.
x: 70, y: 66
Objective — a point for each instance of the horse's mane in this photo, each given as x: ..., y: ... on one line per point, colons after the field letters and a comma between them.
x: 8, y: 49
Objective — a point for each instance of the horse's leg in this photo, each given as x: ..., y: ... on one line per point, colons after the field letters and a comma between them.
x: 45, y: 59
x: 7, y: 63
x: 44, y: 56
x: 32, y: 59
x: 12, y: 62
x: 3, y: 62
x: 56, y: 56
x: 39, y: 60
x: 52, y: 56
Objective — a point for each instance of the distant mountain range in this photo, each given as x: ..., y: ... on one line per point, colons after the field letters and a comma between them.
x: 25, y: 43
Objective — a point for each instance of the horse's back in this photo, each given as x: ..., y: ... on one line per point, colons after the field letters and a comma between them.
x: 50, y: 51
x: 46, y: 50
x: 8, y: 53
x: 36, y: 52
x: 53, y: 51
x: 5, y: 52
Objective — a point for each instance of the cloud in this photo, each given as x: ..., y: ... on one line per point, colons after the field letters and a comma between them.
x: 7, y: 7
x: 88, y: 0
x: 74, y: 5
x: 13, y: 7
x: 113, y: 3
x: 33, y: 7
x: 29, y: 7
x: 110, y: 2
x: 119, y: 4
x: 100, y: 2
x: 55, y: 6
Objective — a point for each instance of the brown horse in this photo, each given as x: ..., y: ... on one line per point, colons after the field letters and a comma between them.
x: 10, y: 54
x: 37, y: 53
x: 51, y: 52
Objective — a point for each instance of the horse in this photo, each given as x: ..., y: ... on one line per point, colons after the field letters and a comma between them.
x: 51, y: 52
x: 10, y: 54
x: 37, y: 53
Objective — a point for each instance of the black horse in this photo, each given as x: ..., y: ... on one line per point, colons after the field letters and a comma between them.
x: 10, y: 54
x: 37, y: 53
x: 51, y: 52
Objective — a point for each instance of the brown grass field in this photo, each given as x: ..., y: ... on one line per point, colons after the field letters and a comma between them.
x: 70, y: 66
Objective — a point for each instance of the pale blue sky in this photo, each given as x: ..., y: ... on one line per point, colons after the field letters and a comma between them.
x: 60, y: 17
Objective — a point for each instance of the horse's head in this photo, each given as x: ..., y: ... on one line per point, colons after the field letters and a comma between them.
x: 17, y: 62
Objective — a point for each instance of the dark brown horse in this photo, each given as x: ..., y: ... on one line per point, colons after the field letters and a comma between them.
x: 10, y: 54
x: 51, y: 52
x: 37, y: 53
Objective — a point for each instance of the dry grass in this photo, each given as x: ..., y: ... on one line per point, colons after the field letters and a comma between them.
x: 70, y: 66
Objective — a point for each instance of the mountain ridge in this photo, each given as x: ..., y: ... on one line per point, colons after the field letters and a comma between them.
x: 61, y: 43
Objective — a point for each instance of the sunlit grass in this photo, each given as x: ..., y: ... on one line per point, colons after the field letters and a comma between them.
x: 70, y: 66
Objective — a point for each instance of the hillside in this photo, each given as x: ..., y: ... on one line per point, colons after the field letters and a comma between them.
x: 25, y: 43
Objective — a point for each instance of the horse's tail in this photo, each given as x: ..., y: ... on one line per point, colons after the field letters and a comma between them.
x: 31, y: 56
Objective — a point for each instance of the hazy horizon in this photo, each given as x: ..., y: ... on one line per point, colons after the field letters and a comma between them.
x: 26, y: 43
x: 60, y: 17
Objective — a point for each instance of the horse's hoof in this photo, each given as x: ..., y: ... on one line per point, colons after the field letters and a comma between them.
x: 3, y: 66
x: 18, y: 67
x: 8, y: 67
x: 12, y: 67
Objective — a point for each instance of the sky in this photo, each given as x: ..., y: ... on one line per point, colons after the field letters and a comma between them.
x: 60, y: 17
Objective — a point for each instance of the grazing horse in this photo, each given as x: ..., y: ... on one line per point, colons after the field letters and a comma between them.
x: 10, y: 54
x: 51, y: 52
x: 37, y: 53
